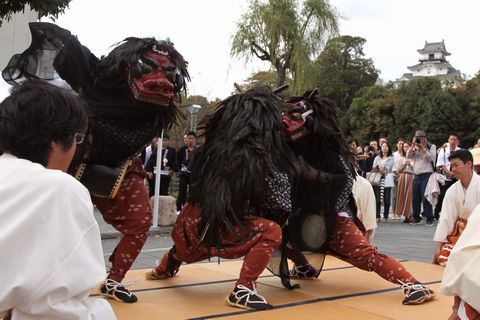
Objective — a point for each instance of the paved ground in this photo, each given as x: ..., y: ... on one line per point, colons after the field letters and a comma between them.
x: 395, y: 238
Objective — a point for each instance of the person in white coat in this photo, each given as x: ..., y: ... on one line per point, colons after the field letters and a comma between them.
x: 50, y: 247
x: 460, y: 199
x: 461, y: 278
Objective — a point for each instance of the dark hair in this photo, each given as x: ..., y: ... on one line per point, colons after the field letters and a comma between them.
x: 389, y: 149
x: 191, y: 133
x: 350, y: 141
x: 35, y: 114
x: 166, y: 136
x: 462, y: 154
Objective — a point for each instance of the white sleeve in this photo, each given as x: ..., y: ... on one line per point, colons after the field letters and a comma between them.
x: 69, y: 259
x: 376, y: 161
x: 441, y: 158
x: 64, y: 295
x: 448, y: 216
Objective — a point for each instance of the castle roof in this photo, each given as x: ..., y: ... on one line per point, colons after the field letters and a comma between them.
x: 432, y: 47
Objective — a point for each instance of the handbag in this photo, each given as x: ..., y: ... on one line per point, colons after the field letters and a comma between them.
x: 374, y: 178
x: 452, y: 239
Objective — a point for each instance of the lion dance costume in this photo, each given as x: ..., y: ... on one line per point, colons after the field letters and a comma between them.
x: 129, y: 97
x: 224, y: 216
x: 310, y: 122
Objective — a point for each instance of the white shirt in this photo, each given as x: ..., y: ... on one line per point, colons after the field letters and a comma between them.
x: 366, y: 204
x: 461, y: 277
x: 457, y: 203
x: 50, y: 249
x: 442, y: 157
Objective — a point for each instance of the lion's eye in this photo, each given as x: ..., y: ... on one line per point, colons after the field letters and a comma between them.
x: 296, y: 116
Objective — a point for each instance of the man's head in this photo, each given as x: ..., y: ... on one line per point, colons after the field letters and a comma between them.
x: 191, y: 137
x: 154, y: 142
x: 374, y: 144
x: 42, y: 123
x: 461, y: 163
x: 453, y: 141
x: 420, y: 137
x: 166, y: 140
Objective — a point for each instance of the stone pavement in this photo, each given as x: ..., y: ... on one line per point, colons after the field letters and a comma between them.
x: 394, y: 238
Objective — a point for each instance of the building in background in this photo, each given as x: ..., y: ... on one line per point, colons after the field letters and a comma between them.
x: 14, y: 38
x: 433, y: 63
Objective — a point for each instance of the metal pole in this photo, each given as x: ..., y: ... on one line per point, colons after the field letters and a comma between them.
x: 157, y: 181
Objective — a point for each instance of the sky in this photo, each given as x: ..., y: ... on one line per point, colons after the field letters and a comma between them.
x: 202, y: 32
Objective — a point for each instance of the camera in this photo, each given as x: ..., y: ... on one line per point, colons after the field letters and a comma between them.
x: 417, y: 140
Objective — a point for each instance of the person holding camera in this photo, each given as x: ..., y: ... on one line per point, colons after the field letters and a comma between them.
x: 422, y: 155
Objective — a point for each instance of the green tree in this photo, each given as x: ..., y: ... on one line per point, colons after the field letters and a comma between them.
x: 342, y: 70
x: 262, y: 77
x: 468, y: 99
x: 370, y: 114
x: 43, y: 7
x: 423, y: 104
x: 287, y: 34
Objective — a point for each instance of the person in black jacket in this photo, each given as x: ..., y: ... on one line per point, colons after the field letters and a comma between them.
x: 167, y: 167
x: 184, y: 154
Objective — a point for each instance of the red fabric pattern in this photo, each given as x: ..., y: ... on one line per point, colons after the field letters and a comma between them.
x: 348, y: 243
x: 129, y: 213
x: 266, y: 236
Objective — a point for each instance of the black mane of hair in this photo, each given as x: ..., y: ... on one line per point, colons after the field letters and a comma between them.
x: 321, y: 148
x: 110, y: 70
x: 243, y: 143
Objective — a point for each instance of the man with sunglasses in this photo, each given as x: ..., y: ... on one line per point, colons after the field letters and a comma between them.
x: 50, y: 248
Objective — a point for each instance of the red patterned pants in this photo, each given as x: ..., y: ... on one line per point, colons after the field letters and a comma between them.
x: 348, y: 243
x: 266, y: 236
x: 130, y: 213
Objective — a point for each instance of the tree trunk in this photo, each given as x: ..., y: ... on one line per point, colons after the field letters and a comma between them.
x: 281, y: 75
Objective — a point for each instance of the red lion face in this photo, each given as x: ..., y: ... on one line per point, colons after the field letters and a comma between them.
x: 293, y: 119
x: 155, y: 78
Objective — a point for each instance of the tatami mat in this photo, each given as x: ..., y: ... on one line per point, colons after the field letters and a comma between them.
x: 341, y: 292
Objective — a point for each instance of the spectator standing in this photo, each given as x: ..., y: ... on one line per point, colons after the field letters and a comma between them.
x: 374, y: 145
x: 370, y: 158
x: 184, y: 155
x: 148, y: 151
x: 396, y: 158
x: 168, y: 162
x: 383, y: 164
x: 443, y: 166
x: 360, y: 159
x: 403, y: 168
x: 422, y: 154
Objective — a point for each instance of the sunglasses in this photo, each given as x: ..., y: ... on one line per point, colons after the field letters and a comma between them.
x: 79, y: 137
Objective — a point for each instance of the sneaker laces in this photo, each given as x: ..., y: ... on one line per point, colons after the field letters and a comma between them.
x: 406, y: 286
x: 247, y: 292
x: 112, y: 284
